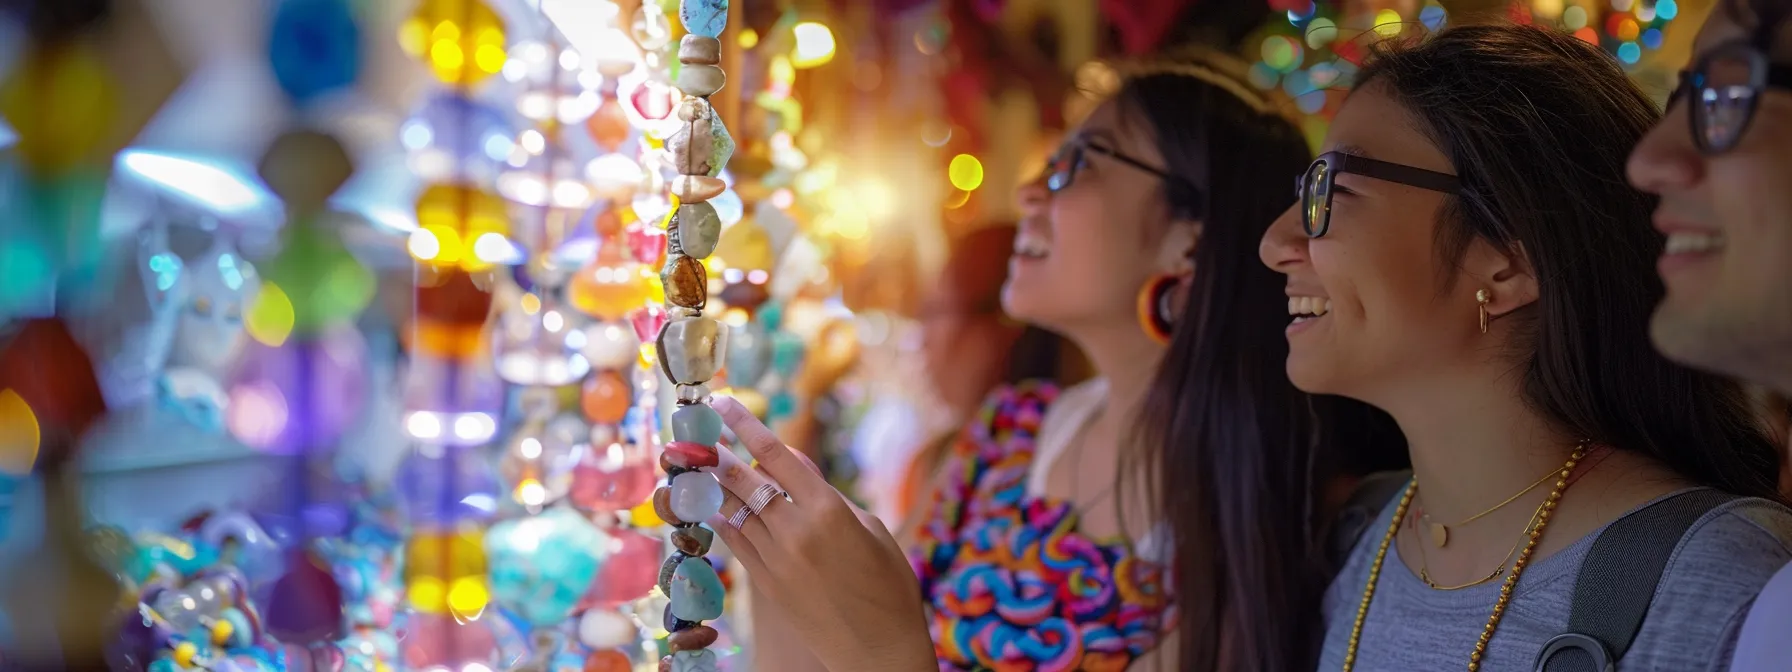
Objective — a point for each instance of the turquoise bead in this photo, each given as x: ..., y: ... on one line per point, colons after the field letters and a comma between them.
x: 696, y: 591
x: 787, y: 353
x: 541, y: 566
x: 781, y: 405
x: 704, y: 17
x: 700, y: 660
x: 697, y: 423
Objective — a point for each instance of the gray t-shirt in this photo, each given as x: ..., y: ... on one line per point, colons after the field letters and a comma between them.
x: 1692, y: 626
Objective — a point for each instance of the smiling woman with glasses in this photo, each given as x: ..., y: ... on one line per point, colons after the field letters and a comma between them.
x: 1163, y: 516
x: 1486, y: 278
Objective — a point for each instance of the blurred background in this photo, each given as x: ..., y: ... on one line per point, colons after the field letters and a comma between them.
x: 358, y: 298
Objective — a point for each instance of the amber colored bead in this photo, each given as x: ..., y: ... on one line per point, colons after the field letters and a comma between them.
x: 610, y: 287
x: 662, y: 505
x: 609, y: 126
x: 457, y: 298
x: 607, y: 661
x: 685, y: 282
x: 693, y: 639
x: 605, y: 398
x: 745, y: 296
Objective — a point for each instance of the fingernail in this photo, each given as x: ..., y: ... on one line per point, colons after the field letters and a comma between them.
x: 719, y: 401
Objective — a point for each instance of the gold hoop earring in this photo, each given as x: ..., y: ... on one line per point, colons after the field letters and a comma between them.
x: 1481, y: 298
x: 1156, y: 315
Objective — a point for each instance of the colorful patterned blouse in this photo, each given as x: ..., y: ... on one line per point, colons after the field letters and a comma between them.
x: 1010, y: 583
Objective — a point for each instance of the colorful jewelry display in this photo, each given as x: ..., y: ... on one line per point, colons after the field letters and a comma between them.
x: 691, y: 345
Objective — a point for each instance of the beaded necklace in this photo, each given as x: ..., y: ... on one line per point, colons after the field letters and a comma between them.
x: 1499, y: 606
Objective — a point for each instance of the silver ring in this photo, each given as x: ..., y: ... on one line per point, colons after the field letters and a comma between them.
x: 739, y: 518
x: 762, y: 496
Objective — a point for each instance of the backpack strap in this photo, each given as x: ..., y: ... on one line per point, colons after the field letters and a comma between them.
x: 1617, y: 582
x: 1366, y: 502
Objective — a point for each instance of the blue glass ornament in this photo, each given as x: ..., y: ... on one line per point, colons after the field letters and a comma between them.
x: 315, y: 47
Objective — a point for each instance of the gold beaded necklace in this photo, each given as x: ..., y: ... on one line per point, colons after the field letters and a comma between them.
x: 1499, y: 606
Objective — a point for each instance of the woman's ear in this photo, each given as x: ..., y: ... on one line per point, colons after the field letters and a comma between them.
x: 1505, y: 274
x: 1176, y: 252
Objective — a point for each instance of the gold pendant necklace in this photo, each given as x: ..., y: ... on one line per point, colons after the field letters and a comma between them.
x: 1499, y: 606
x: 1440, y: 533
x: 1425, y: 562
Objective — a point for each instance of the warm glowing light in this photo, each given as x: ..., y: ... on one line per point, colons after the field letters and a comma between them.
x: 424, y: 245
x: 468, y: 596
x: 531, y: 492
x: 269, y: 319
x: 529, y: 448
x: 1321, y: 32
x: 1574, y: 18
x: 749, y: 38
x: 453, y: 35
x: 493, y: 248
x: 531, y: 304
x: 958, y: 200
x: 814, y: 45
x: 1627, y: 30
x: 965, y: 172
x: 1388, y: 23
x: 19, y: 435
x: 782, y: 71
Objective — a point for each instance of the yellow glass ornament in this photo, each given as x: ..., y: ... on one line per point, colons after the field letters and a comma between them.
x: 462, y: 40
x: 611, y: 286
x: 62, y: 102
x: 642, y: 516
x: 461, y: 226
x: 444, y: 572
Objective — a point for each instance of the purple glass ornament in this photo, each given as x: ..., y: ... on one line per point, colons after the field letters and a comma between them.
x: 301, y: 396
x: 305, y: 606
x: 452, y: 136
x: 442, y: 486
x: 453, y: 403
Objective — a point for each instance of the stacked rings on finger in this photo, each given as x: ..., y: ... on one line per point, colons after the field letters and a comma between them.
x: 691, y: 345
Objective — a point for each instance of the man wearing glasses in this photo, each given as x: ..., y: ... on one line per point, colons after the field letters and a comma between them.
x: 1721, y: 160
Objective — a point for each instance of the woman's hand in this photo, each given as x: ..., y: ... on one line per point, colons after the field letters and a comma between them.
x: 834, y: 570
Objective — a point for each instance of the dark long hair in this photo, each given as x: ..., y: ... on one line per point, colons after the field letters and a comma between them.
x: 1236, y: 471
x: 1538, y: 125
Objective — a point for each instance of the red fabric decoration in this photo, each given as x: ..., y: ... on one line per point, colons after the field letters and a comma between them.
x: 1142, y: 24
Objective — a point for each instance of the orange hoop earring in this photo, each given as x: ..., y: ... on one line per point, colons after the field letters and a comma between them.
x: 1154, y: 309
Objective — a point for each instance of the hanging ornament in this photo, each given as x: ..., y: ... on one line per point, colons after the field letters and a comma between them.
x: 542, y: 565
x: 462, y: 40
x: 539, y: 459
x: 315, y: 48
x: 611, y: 285
x: 538, y: 341
x: 301, y: 395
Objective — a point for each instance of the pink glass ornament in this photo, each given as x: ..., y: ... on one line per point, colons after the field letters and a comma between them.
x: 647, y: 243
x: 613, y: 477
x: 629, y: 573
x: 430, y: 640
x: 647, y: 322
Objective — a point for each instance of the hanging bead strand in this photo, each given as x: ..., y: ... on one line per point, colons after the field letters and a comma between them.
x: 691, y: 345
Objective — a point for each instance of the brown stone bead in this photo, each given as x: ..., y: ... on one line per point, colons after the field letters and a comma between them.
x: 662, y: 506
x: 700, y: 50
x: 686, y: 283
x: 693, y: 148
x: 666, y: 466
x: 693, y: 541
x: 693, y: 639
x: 607, y: 661
x: 701, y: 81
x: 693, y: 109
x: 745, y: 295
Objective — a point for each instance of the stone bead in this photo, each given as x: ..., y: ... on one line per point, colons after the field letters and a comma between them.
x: 693, y: 541
x: 608, y: 661
x: 686, y: 282
x: 702, y: 660
x: 671, y: 469
x: 703, y: 17
x: 696, y: 590
x: 693, y: 109
x: 697, y: 188
x: 662, y: 505
x: 693, y: 148
x: 696, y: 230
x: 700, y: 50
x: 667, y: 569
x: 694, y: 639
x: 702, y: 81
x: 666, y: 664
x: 721, y: 145
x: 676, y: 312
x: 673, y: 623
x: 692, y: 349
x: 605, y: 629
x: 698, y: 424
x: 689, y: 456
x: 696, y: 496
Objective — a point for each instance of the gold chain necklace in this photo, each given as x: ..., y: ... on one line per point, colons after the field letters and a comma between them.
x: 1425, y: 562
x: 1499, y: 607
x: 1440, y: 533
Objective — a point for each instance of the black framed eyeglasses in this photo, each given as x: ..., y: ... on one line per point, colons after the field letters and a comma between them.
x: 1315, y: 185
x: 1723, y: 89
x: 1061, y: 171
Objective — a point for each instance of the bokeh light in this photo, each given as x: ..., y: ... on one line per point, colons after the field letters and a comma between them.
x: 1388, y: 23
x: 19, y: 434
x: 1629, y: 52
x: 1281, y: 52
x: 1574, y: 18
x: 965, y: 172
x: 1321, y: 32
x: 269, y: 319
x: 814, y: 45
